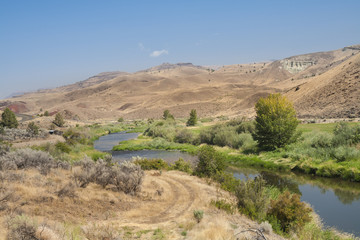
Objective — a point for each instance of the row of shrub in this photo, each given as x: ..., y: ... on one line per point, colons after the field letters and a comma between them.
x: 235, y: 133
x: 29, y: 158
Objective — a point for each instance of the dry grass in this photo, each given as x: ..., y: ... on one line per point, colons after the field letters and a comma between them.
x: 60, y: 210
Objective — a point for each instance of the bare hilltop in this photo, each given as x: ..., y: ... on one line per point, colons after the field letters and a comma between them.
x: 321, y: 85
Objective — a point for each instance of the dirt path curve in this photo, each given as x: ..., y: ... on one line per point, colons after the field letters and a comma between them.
x: 181, y: 197
x: 166, y: 197
x: 24, y: 117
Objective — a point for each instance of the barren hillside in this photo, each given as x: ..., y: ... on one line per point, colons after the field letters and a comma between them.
x: 329, y: 87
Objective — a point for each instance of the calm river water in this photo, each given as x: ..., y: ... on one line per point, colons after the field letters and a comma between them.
x: 336, y: 202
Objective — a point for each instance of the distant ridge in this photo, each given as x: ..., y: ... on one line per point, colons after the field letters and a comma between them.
x: 321, y: 85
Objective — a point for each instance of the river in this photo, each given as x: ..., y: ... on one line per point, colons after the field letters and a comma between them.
x: 337, y: 202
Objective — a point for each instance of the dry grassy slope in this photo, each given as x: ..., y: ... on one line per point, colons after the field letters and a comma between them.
x: 166, y: 201
x: 230, y: 90
x: 333, y: 94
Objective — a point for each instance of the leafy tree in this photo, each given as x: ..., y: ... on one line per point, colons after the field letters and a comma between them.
x: 46, y: 114
x: 275, y: 122
x: 59, y: 120
x: 9, y: 119
x: 32, y: 128
x: 193, y: 118
x: 167, y: 115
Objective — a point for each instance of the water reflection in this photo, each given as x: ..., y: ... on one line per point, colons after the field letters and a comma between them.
x: 281, y: 182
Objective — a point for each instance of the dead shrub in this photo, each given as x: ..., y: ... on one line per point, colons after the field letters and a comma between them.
x: 67, y: 191
x: 96, y: 232
x: 5, y: 196
x: 22, y: 228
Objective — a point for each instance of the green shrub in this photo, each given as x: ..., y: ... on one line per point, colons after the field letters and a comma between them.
x: 184, y: 136
x: 198, y: 215
x: 345, y: 135
x: 252, y: 198
x: 163, y: 129
x: 167, y: 115
x: 246, y: 127
x: 73, y: 136
x: 8, y: 119
x: 290, y: 211
x: 62, y: 147
x: 192, y: 119
x: 227, y: 137
x: 182, y: 165
x: 210, y: 162
x: 227, y: 181
x: 32, y: 128
x: 224, y: 205
x: 121, y: 119
x: 2, y: 130
x: 151, y: 164
x: 275, y: 122
x: 321, y: 140
x: 46, y: 113
x: 345, y: 153
x: 59, y: 120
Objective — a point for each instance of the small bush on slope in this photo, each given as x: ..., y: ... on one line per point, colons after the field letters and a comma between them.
x: 127, y: 177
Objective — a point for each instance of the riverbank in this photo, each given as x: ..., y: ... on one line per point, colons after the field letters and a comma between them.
x: 328, y: 150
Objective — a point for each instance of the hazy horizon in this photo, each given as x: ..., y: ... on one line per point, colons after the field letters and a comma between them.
x: 49, y: 44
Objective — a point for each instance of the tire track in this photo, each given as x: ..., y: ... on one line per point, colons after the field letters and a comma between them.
x: 183, y: 196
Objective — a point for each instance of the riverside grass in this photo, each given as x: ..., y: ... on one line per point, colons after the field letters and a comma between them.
x: 299, y: 156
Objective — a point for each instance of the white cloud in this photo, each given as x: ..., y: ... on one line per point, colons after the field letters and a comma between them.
x: 159, y: 53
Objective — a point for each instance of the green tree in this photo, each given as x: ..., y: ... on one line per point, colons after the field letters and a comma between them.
x: 167, y: 115
x: 32, y: 128
x: 9, y: 119
x: 192, y: 119
x: 46, y: 114
x: 275, y: 122
x: 59, y: 120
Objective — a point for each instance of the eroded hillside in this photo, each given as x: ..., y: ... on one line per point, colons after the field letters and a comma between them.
x: 321, y: 84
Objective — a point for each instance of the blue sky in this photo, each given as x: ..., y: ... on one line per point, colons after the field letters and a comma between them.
x: 49, y: 43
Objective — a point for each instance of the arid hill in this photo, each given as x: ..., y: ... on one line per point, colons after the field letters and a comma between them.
x: 324, y: 84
